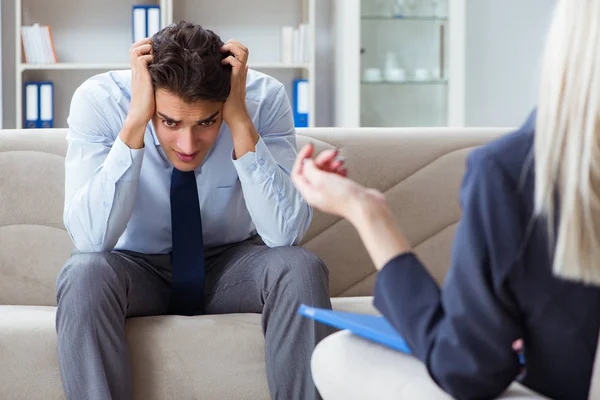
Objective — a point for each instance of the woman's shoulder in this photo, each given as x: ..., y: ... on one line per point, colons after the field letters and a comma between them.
x: 511, y: 155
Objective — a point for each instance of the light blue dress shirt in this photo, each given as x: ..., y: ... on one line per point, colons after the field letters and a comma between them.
x: 118, y: 198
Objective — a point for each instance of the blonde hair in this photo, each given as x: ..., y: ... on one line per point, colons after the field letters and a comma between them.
x: 567, y: 140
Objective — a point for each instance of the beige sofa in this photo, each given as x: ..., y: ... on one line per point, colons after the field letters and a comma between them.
x: 221, y: 356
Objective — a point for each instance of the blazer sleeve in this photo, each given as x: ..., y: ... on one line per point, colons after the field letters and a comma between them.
x: 464, y: 332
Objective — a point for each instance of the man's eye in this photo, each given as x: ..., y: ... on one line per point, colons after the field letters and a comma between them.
x: 207, y: 123
x: 169, y: 124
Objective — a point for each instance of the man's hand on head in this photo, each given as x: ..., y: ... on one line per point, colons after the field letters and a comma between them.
x: 235, y: 112
x: 142, y: 104
x: 142, y: 91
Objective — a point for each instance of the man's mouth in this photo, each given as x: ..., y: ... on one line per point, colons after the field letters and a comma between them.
x: 186, y: 157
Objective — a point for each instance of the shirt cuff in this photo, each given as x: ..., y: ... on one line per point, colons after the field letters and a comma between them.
x: 123, y: 163
x: 255, y: 167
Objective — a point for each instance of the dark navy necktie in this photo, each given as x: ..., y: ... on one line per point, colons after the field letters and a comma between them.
x: 187, y: 297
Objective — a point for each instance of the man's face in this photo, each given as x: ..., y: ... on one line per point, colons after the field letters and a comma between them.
x: 186, y: 131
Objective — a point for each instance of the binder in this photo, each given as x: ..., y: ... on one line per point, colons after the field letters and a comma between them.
x: 32, y: 105
x: 372, y: 327
x: 145, y: 21
x: 153, y: 20
x: 301, y: 103
x: 39, y: 105
x: 46, y: 104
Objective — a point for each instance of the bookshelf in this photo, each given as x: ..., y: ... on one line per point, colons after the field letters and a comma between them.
x: 94, y: 37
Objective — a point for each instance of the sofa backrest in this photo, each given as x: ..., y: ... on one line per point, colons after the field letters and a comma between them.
x: 420, y: 171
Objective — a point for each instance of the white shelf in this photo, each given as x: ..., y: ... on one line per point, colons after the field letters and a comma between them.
x: 81, y: 41
x: 74, y: 66
x: 277, y: 66
x: 112, y: 66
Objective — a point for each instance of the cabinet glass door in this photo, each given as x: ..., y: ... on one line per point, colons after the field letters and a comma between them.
x: 404, y: 63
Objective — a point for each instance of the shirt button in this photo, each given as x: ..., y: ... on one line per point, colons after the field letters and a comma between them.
x: 106, y: 204
x: 123, y: 162
x: 261, y: 161
x: 252, y: 168
x: 281, y: 195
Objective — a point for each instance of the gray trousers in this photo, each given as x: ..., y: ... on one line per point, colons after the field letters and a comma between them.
x: 96, y: 292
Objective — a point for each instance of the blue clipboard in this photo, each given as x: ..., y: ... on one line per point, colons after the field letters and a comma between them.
x: 372, y: 327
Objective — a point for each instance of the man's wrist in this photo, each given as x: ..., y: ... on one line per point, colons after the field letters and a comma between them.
x: 240, y: 125
x: 132, y: 133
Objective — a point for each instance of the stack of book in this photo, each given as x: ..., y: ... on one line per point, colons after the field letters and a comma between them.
x: 38, y: 45
x: 295, y: 44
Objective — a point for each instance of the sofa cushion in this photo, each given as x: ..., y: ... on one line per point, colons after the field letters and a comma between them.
x: 174, y: 357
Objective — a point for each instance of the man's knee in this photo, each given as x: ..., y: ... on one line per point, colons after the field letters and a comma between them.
x: 301, y: 263
x: 301, y: 272
x: 86, y: 274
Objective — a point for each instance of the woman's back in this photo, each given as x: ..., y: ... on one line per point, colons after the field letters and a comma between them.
x: 560, y: 318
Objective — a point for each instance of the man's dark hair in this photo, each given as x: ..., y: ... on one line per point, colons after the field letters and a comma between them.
x: 187, y: 63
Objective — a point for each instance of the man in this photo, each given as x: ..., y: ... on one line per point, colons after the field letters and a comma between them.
x: 179, y: 201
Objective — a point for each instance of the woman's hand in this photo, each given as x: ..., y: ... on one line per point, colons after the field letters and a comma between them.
x: 323, y: 183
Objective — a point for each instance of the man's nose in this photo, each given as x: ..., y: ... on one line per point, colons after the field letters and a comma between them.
x: 186, y: 142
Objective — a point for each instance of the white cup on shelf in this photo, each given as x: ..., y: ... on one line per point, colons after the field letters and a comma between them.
x: 372, y: 75
x: 422, y: 74
x: 395, y: 75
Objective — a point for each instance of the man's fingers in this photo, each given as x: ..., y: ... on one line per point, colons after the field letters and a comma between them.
x: 231, y: 60
x: 304, y: 153
x: 141, y: 42
x: 239, y: 53
x: 237, y: 44
x: 147, y: 59
x: 142, y: 49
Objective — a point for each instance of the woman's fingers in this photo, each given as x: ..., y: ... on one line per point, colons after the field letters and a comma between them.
x: 305, y: 152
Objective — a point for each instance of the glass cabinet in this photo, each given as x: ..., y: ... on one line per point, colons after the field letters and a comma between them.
x: 395, y: 58
x: 404, y: 76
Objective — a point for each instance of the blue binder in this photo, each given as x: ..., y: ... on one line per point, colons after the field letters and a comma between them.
x: 373, y: 327
x: 38, y: 105
x: 46, y: 104
x: 31, y: 105
x: 145, y: 21
x: 301, y: 103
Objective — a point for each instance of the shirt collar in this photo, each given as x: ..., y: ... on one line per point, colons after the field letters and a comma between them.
x: 153, y: 132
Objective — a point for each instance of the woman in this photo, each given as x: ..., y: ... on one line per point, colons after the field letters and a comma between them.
x: 526, y: 255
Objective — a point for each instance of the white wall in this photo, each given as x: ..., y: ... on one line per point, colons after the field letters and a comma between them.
x: 505, y: 41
